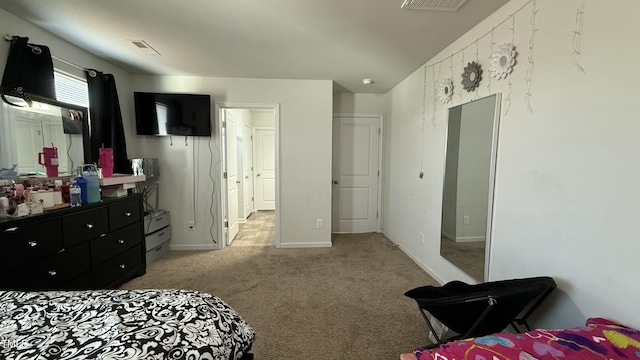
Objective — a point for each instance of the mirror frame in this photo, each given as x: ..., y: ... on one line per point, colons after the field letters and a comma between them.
x: 86, y: 142
x: 492, y: 180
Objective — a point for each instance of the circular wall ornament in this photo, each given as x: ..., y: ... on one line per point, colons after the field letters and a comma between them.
x: 471, y: 76
x: 502, y: 61
x: 446, y: 90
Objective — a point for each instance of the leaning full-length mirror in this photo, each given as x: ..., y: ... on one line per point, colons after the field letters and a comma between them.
x: 467, y: 199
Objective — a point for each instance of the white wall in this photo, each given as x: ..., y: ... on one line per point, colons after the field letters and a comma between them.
x: 568, y: 173
x: 348, y: 103
x: 305, y: 178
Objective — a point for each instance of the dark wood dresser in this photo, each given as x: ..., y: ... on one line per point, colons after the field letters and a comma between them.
x: 96, y: 246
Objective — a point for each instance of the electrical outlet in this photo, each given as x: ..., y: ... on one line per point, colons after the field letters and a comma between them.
x: 465, y: 220
x: 319, y: 224
x: 191, y: 225
x: 421, y: 237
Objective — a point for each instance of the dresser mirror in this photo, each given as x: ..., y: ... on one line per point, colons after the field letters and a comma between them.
x: 467, y: 201
x: 28, y: 127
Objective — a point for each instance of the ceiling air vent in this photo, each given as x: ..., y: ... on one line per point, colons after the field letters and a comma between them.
x: 433, y: 5
x: 144, y: 47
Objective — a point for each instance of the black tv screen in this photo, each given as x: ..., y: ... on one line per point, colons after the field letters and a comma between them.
x: 172, y: 114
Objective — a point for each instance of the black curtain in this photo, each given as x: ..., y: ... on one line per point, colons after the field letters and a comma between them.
x: 106, y: 120
x: 29, y: 69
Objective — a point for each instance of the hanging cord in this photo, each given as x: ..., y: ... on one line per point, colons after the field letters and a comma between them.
x: 193, y: 191
x: 213, y: 191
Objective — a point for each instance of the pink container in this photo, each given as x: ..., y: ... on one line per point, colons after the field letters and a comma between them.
x: 105, y: 161
x: 49, y: 158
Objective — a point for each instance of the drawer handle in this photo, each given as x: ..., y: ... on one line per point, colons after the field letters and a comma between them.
x: 121, y: 241
x: 127, y: 214
x: 159, y: 218
x: 162, y: 233
x: 53, y: 272
x: 11, y: 229
x: 122, y: 266
x: 89, y: 226
x: 33, y: 243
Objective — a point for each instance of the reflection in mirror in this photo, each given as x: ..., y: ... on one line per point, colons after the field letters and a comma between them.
x: 27, y: 129
x: 467, y: 198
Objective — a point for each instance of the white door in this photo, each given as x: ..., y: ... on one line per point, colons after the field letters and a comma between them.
x: 232, y: 175
x: 355, y: 174
x: 264, y: 161
x: 29, y: 133
x: 247, y: 139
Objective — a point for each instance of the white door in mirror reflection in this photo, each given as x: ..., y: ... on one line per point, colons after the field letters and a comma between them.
x: 29, y: 135
x: 356, y: 144
x: 467, y: 197
x: 25, y: 131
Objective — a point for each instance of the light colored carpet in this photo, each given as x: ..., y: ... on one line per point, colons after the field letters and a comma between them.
x: 344, y: 302
x: 467, y: 256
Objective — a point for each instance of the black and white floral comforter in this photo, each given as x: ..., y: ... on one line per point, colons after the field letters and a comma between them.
x: 120, y: 324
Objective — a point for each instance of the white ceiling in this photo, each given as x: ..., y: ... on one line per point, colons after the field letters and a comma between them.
x: 340, y: 40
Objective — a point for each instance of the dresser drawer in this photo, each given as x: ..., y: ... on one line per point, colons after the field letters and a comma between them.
x: 161, y: 236
x: 24, y: 243
x: 157, y: 221
x: 54, y: 271
x: 87, y: 225
x: 124, y: 214
x: 117, y: 268
x: 106, y: 247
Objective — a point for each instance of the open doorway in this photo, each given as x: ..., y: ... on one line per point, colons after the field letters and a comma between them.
x: 249, y: 148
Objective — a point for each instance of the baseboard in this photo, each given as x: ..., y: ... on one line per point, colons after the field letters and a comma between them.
x: 305, y: 245
x: 193, y: 247
x: 423, y: 266
x: 469, y: 239
x: 462, y: 239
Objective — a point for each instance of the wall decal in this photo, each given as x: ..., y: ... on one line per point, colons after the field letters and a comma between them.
x: 445, y: 91
x: 503, y: 60
x: 471, y: 76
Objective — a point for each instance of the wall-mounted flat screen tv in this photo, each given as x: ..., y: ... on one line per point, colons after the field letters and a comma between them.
x: 164, y: 114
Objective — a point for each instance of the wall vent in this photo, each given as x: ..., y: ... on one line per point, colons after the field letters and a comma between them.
x: 144, y: 47
x: 433, y: 5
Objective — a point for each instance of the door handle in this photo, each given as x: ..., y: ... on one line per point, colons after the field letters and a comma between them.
x: 335, y: 182
x: 257, y: 175
x: 238, y: 182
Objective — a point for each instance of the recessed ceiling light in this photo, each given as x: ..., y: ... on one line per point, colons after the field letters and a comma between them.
x: 367, y: 81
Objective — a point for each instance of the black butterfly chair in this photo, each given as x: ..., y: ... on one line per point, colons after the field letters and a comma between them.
x: 483, y: 309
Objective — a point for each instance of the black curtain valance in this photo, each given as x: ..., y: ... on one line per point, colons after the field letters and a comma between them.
x: 29, y: 69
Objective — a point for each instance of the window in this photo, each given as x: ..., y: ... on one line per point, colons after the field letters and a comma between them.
x: 71, y: 89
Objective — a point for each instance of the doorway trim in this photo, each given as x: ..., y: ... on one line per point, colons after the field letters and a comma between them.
x: 220, y: 107
x: 380, y: 160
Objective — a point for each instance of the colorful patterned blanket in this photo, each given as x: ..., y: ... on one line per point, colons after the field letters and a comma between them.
x: 598, y: 339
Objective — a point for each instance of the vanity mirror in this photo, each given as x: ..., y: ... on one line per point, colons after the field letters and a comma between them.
x: 467, y: 201
x: 44, y: 123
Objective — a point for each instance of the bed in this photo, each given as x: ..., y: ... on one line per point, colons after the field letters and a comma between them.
x: 121, y: 324
x: 598, y: 339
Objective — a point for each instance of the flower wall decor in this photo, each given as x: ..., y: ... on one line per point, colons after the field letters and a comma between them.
x: 502, y: 61
x: 445, y: 90
x: 471, y: 76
